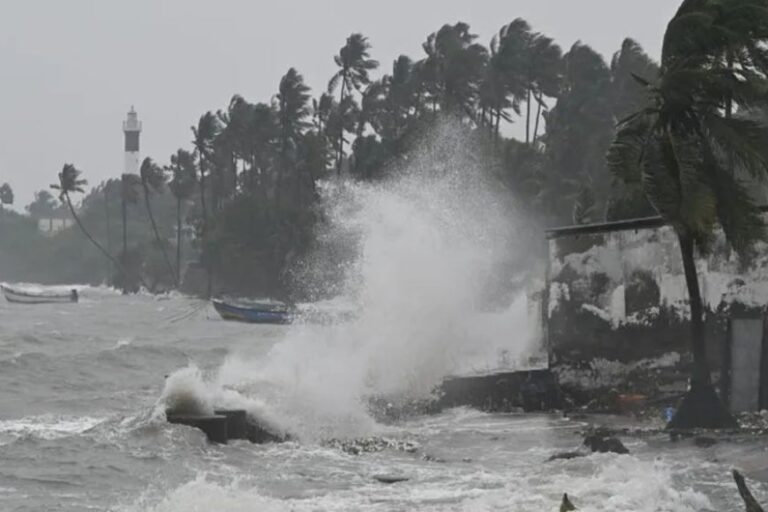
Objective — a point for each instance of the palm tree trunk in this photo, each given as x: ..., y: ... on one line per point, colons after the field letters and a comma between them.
x: 124, y: 212
x: 701, y: 407
x: 108, y: 220
x: 110, y: 270
x: 701, y: 372
x: 498, y: 123
x: 157, y: 235
x: 87, y: 234
x: 528, y: 119
x: 178, y: 241
x: 538, y: 116
x: 204, y: 230
x: 341, y: 127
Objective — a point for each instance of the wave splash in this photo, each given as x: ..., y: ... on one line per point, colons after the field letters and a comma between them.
x: 422, y: 256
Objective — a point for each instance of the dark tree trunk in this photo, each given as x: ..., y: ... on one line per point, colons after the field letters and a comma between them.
x: 89, y: 237
x: 701, y: 407
x: 124, y: 213
x: 178, y: 240
x: 701, y: 372
x: 110, y: 268
x: 160, y: 242
x: 538, y: 116
x: 340, y: 155
x: 204, y: 229
x: 528, y: 119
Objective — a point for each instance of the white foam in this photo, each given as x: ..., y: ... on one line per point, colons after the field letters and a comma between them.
x: 46, y: 427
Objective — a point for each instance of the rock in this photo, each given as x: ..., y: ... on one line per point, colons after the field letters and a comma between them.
x: 566, y: 456
x: 601, y: 441
x: 749, y: 501
x: 390, y: 479
x: 431, y: 458
x: 566, y: 505
x: 704, y: 442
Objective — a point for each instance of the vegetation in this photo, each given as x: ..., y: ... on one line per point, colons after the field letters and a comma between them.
x: 243, y: 197
x: 693, y: 144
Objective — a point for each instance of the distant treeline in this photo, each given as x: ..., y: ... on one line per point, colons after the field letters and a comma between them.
x: 244, y: 194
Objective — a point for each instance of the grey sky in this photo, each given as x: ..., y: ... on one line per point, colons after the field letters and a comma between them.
x: 71, y: 69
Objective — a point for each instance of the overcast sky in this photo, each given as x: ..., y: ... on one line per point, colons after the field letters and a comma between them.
x: 71, y: 69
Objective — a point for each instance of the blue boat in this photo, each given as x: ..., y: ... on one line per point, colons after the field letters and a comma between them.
x: 254, y: 313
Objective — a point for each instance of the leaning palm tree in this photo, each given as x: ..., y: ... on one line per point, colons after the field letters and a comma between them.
x: 129, y: 194
x: 182, y: 185
x: 690, y: 153
x: 354, y: 64
x: 70, y: 183
x: 205, y: 133
x: 153, y: 180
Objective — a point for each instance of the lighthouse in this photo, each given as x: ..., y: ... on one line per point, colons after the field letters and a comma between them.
x: 132, y: 129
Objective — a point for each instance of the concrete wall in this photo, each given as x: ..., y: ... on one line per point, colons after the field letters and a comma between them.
x: 620, y: 295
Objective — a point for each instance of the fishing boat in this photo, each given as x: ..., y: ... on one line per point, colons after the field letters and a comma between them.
x: 19, y: 296
x: 255, y: 313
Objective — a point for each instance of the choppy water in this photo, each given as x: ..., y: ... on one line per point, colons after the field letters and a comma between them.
x: 79, y: 384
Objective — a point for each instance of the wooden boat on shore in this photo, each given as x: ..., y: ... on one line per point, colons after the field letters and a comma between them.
x: 19, y: 296
x: 254, y: 313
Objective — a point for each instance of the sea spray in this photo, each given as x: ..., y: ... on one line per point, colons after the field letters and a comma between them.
x: 186, y: 392
x: 419, y: 253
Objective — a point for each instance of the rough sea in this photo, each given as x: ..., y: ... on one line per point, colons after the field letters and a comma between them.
x: 80, y: 429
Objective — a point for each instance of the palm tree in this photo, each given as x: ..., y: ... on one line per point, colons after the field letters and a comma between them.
x: 628, y: 95
x: 354, y: 63
x: 182, y: 185
x: 153, y: 180
x: 690, y: 153
x: 400, y: 98
x: 454, y: 68
x: 532, y: 65
x: 70, y: 183
x: 6, y: 197
x: 43, y: 206
x: 204, y: 136
x: 292, y: 113
x: 495, y: 90
x: 129, y: 194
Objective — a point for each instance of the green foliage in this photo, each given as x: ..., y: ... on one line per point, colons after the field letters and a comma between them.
x: 246, y: 189
x: 6, y: 194
x: 688, y: 146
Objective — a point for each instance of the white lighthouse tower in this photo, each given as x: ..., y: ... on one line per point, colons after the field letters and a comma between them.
x: 132, y: 129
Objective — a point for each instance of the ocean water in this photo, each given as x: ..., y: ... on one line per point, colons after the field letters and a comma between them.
x: 79, y: 430
x: 420, y: 260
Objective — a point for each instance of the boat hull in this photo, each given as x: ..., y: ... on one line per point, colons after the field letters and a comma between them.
x: 252, y: 315
x: 15, y: 296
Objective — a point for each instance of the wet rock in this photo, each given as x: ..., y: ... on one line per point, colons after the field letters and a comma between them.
x: 749, y: 501
x: 704, y: 442
x: 566, y: 456
x: 566, y: 505
x: 390, y: 479
x: 601, y: 441
x: 431, y: 458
